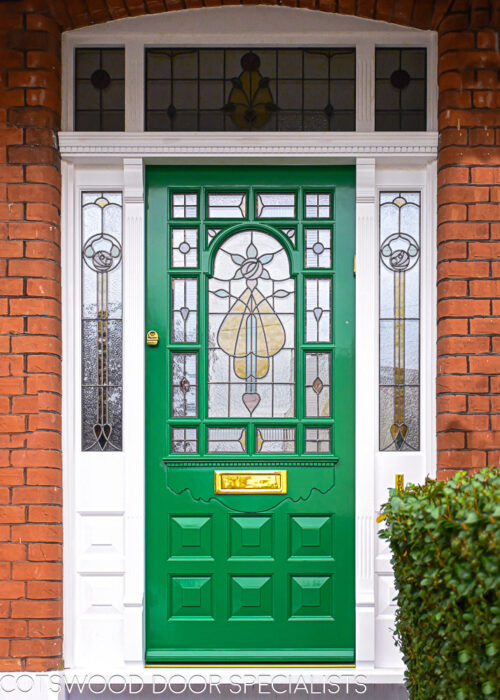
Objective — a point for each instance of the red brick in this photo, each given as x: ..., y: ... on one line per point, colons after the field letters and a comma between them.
x: 36, y: 647
x: 461, y: 421
x: 484, y: 212
x: 13, y: 628
x: 455, y: 384
x: 12, y: 514
x: 483, y: 440
x: 12, y: 552
x: 461, y: 459
x: 450, y: 441
x: 463, y: 231
x: 36, y: 494
x: 12, y: 590
x: 45, y: 477
x: 33, y: 609
x: 462, y: 345
x: 487, y: 251
x: 478, y: 404
x: 43, y: 590
x: 38, y: 571
x: 451, y: 403
x: 37, y: 533
x: 463, y: 269
x: 44, y: 552
x: 463, y: 307
x: 45, y: 628
x: 36, y: 458
x: 485, y: 325
x: 454, y: 364
x: 485, y: 364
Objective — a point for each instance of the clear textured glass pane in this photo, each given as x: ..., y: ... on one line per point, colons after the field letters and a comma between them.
x: 271, y: 439
x: 318, y: 247
x: 226, y: 439
x: 317, y: 384
x: 318, y: 205
x: 227, y: 206
x: 184, y: 310
x: 185, y: 206
x: 318, y: 310
x: 318, y: 439
x: 184, y: 247
x: 101, y: 321
x: 399, y: 372
x: 275, y: 205
x: 184, y: 384
x: 184, y: 440
x: 251, y: 329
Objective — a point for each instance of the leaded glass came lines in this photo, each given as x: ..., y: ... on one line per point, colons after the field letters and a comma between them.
x: 399, y: 321
x: 237, y: 89
x: 101, y: 321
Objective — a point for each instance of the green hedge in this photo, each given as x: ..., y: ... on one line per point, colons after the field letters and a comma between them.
x: 445, y: 542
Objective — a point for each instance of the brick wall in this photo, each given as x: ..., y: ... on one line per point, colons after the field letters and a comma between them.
x: 468, y: 385
x: 30, y: 340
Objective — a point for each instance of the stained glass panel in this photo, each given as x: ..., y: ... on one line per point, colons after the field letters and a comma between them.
x: 318, y: 440
x: 184, y: 310
x: 99, y: 89
x: 271, y: 205
x: 237, y: 89
x: 184, y: 384
x: 227, y: 206
x: 399, y: 329
x: 318, y: 310
x: 251, y: 329
x: 318, y: 247
x: 184, y: 440
x: 318, y: 384
x: 185, y: 205
x: 184, y: 247
x: 317, y: 205
x: 400, y: 89
x: 101, y: 321
x: 226, y: 439
x: 273, y: 439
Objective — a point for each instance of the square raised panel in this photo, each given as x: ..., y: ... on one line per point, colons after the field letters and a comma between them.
x: 101, y: 595
x: 190, y: 536
x: 190, y: 597
x: 250, y: 536
x: 311, y: 597
x: 386, y: 604
x: 251, y: 597
x: 101, y: 542
x: 311, y: 536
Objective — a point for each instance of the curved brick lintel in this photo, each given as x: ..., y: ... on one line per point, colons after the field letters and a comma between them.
x: 468, y: 314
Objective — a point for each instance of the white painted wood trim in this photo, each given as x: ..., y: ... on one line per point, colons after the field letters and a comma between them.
x: 321, y: 145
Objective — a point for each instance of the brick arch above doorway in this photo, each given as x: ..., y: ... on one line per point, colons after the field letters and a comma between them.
x: 421, y: 14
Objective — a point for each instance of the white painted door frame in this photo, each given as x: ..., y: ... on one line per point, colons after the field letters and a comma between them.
x: 104, y: 493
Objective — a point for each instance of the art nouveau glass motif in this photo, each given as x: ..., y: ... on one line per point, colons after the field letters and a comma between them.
x: 101, y: 321
x: 250, y: 347
x: 399, y: 321
x: 251, y: 329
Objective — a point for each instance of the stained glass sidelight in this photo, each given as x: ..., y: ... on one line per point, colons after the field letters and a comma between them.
x: 101, y: 321
x: 309, y: 89
x: 251, y: 329
x: 399, y: 321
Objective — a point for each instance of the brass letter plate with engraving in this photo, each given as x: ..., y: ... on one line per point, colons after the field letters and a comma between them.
x: 250, y: 482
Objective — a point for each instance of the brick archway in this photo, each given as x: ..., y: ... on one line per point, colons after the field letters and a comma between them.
x: 468, y: 384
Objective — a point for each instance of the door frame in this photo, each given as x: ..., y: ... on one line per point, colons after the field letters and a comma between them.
x: 120, y: 502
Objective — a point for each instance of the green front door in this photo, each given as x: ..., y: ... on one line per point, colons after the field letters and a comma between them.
x: 250, y: 415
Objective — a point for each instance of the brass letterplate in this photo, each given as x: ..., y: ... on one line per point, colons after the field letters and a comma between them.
x: 250, y: 482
